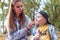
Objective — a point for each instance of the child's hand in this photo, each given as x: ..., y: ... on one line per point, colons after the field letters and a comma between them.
x: 37, y: 36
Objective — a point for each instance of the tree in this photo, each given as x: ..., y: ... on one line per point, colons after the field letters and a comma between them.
x: 30, y: 6
x: 3, y: 15
x: 53, y: 9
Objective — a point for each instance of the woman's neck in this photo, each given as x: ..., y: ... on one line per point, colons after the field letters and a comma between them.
x: 18, y: 15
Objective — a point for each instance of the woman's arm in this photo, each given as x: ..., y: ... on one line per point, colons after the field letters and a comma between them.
x: 18, y: 34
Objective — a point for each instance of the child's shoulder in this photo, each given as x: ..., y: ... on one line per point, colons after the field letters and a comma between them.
x: 50, y: 26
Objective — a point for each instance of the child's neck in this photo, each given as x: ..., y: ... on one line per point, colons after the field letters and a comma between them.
x: 41, y: 25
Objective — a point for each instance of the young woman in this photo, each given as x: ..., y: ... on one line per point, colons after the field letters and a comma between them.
x: 17, y: 22
x: 44, y: 30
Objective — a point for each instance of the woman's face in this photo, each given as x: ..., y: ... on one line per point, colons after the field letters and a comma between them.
x: 18, y: 8
x: 40, y: 20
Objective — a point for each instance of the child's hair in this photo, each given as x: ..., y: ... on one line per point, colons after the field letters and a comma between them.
x: 45, y: 15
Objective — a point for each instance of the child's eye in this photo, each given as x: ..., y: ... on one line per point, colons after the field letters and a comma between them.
x: 38, y: 16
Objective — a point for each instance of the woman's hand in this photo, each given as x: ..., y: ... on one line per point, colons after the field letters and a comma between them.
x: 37, y: 36
x: 30, y: 24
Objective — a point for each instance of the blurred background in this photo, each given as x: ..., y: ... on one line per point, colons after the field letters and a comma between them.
x: 31, y: 7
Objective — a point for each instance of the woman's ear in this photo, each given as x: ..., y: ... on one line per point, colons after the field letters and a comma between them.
x: 12, y: 5
x: 13, y: 8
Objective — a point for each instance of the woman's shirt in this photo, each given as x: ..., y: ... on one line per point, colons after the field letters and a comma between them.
x: 20, y: 33
x: 50, y: 29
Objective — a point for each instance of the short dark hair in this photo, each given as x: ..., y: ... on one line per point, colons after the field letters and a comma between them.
x: 45, y: 15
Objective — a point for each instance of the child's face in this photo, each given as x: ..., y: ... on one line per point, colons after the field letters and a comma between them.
x: 40, y: 19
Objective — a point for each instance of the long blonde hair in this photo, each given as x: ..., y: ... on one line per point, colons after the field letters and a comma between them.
x: 11, y: 16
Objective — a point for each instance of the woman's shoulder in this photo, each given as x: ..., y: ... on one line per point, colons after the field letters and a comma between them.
x: 5, y: 21
x: 26, y: 15
x: 27, y: 18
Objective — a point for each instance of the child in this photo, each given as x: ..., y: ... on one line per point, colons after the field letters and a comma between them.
x: 44, y: 30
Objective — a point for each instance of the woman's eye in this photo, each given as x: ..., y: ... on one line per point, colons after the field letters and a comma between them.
x: 18, y: 7
x: 21, y: 6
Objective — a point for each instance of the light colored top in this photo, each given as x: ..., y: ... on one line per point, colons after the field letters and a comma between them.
x: 19, y: 33
x: 51, y: 32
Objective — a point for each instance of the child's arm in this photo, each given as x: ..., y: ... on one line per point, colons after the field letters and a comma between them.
x: 36, y: 37
x: 52, y: 33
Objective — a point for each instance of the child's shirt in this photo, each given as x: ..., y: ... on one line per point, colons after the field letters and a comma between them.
x: 47, y: 32
x: 44, y: 33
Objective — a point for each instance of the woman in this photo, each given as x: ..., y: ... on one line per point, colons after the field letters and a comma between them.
x: 44, y: 30
x: 18, y: 23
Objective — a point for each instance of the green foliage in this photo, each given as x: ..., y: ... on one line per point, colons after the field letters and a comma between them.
x: 53, y: 9
x: 4, y: 10
x: 30, y: 6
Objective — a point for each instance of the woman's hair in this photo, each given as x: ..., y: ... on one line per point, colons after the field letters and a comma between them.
x: 45, y: 15
x: 12, y: 16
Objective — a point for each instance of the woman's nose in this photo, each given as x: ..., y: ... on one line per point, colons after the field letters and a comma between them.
x: 20, y: 8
